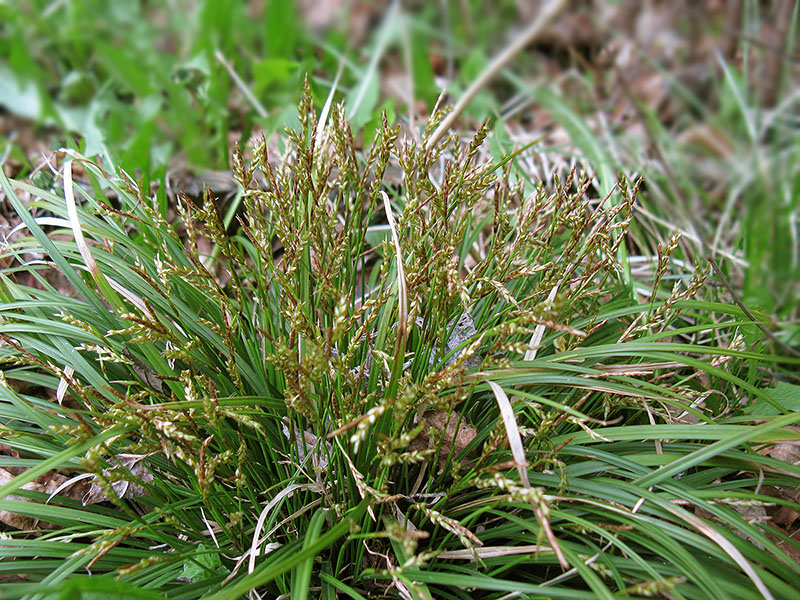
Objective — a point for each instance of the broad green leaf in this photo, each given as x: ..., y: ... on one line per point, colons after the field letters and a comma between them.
x: 785, y: 394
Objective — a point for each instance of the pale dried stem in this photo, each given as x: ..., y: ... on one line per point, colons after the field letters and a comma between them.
x: 545, y: 18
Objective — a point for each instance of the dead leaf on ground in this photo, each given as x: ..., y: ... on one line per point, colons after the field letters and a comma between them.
x: 785, y: 518
x: 124, y: 488
x: 457, y: 434
x: 46, y: 484
x: 787, y: 452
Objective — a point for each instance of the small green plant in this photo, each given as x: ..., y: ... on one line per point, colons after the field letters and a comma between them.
x: 163, y: 85
x: 433, y: 386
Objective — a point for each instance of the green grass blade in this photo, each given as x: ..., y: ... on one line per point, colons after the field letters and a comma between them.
x: 59, y: 460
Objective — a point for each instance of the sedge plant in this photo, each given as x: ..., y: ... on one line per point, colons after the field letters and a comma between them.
x: 433, y: 385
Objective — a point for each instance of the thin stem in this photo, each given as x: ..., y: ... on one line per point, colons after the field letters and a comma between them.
x: 542, y: 22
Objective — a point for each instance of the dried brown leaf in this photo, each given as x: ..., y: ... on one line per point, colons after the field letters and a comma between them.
x: 124, y: 488
x: 46, y: 484
x: 456, y: 434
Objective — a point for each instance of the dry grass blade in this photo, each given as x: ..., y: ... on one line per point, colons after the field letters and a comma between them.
x: 512, y: 432
x: 262, y: 518
x: 402, y: 293
x: 492, y: 552
x: 53, y: 221
x: 326, y: 109
x: 729, y: 548
x: 358, y: 478
x: 63, y: 384
x: 550, y: 536
x: 538, y: 333
x: 243, y: 87
x: 75, y: 224
x: 518, y: 452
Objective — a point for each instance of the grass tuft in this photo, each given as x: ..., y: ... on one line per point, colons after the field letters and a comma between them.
x: 441, y: 384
